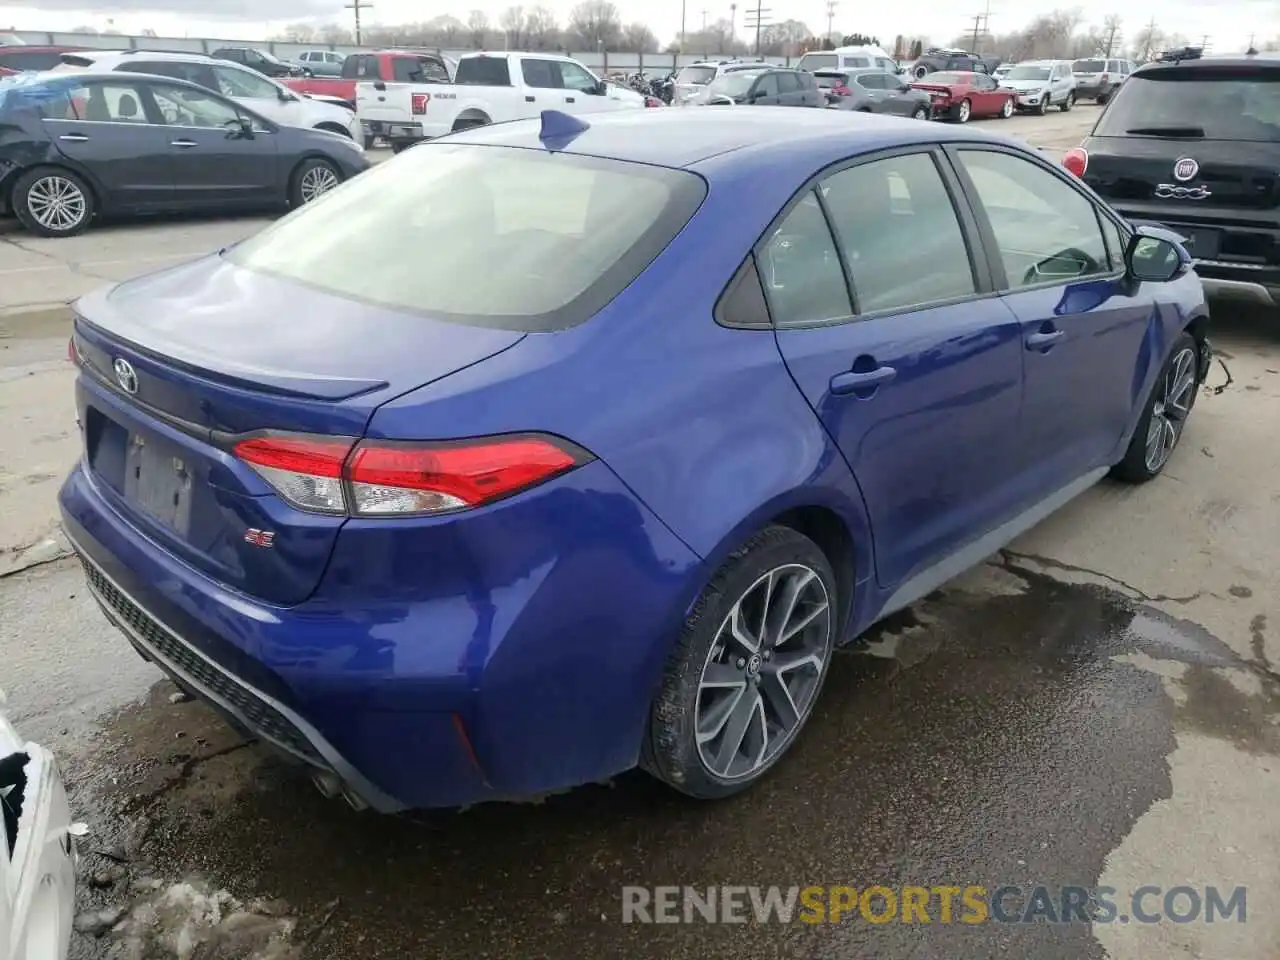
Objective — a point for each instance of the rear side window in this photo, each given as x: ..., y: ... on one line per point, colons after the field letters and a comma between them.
x: 788, y: 83
x: 1088, y: 66
x: 871, y: 81
x: 855, y: 63
x: 537, y: 241
x: 484, y: 71
x: 361, y: 67
x: 198, y: 73
x: 1211, y: 103
x: 417, y: 70
x: 544, y: 74
x: 29, y: 59
x: 801, y: 270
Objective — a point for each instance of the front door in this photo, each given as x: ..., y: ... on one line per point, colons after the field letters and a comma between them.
x: 917, y: 376
x: 1082, y: 324
x: 584, y: 89
x: 104, y: 127
x: 258, y: 94
x: 766, y: 92
x: 989, y: 101
x: 213, y: 160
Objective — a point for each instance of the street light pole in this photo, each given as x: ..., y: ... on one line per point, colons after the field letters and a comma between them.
x: 357, y: 6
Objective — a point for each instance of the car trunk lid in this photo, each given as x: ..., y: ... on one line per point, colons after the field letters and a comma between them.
x: 177, y: 365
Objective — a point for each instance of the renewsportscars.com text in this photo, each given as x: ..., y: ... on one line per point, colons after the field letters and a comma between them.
x: 972, y: 904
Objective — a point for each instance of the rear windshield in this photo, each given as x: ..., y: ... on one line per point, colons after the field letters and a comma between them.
x: 1088, y: 66
x: 492, y: 236
x: 1214, y: 103
x: 484, y: 72
x: 417, y: 70
x: 818, y: 61
x: 828, y: 80
x: 1028, y: 73
x: 701, y: 75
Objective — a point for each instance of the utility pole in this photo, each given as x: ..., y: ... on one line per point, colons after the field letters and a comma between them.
x: 757, y: 18
x: 683, y: 10
x: 703, y: 11
x: 831, y: 15
x: 733, y: 23
x: 1204, y: 43
x: 1251, y: 37
x: 356, y: 6
x: 977, y: 25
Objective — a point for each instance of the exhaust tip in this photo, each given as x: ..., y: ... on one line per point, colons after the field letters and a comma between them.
x: 327, y: 783
x: 354, y: 802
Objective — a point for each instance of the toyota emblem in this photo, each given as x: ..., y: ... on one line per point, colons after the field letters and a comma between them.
x: 1185, y: 169
x: 126, y: 376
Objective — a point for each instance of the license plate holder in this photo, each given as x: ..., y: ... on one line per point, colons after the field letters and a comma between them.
x: 1201, y: 244
x: 158, y: 481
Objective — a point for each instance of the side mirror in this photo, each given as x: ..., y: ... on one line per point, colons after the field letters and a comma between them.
x: 1154, y: 259
x: 602, y: 88
x: 246, y: 127
x: 757, y: 95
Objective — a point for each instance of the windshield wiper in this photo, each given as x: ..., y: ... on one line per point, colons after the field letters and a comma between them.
x: 1189, y: 132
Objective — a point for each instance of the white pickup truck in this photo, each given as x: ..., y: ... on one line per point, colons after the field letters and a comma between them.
x: 487, y: 88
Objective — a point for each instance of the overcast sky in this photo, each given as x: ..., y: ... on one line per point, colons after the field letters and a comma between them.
x: 1229, y: 23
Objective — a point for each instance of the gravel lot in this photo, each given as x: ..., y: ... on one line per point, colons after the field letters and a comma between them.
x: 1098, y: 705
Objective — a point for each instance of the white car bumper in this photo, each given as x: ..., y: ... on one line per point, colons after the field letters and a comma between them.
x: 37, y: 884
x: 1032, y: 99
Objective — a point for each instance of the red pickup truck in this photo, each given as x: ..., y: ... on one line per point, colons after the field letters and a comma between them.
x: 389, y: 66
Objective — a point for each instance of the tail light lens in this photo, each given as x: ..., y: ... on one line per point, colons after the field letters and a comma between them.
x: 652, y: 102
x: 420, y: 101
x: 376, y: 478
x: 1076, y: 161
x: 73, y: 352
x: 840, y: 90
x: 1103, y: 78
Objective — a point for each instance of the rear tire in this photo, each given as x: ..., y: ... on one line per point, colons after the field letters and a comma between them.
x: 748, y: 656
x: 920, y: 113
x: 312, y: 179
x: 53, y: 202
x: 1173, y: 396
x: 370, y: 142
x: 1103, y: 97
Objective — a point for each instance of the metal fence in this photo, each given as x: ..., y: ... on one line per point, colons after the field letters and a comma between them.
x: 601, y: 61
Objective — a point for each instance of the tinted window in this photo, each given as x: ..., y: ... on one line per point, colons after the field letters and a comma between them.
x: 1088, y: 66
x: 484, y: 71
x: 242, y: 83
x: 418, y: 70
x: 1028, y: 73
x: 767, y: 85
x: 818, y: 61
x: 829, y: 80
x: 889, y: 217
x: 570, y: 232
x: 855, y: 63
x: 1206, y: 102
x: 1044, y: 228
x: 787, y: 82
x: 360, y: 67
x: 29, y: 59
x: 540, y: 73
x: 801, y: 270
x: 872, y: 81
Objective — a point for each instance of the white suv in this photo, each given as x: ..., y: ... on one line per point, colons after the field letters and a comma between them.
x: 692, y: 81
x: 261, y: 94
x: 1042, y: 84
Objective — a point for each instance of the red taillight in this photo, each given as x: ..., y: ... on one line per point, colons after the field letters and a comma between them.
x: 840, y: 90
x: 652, y: 102
x: 72, y: 353
x: 336, y: 475
x: 1103, y: 78
x: 1076, y: 161
x: 420, y: 101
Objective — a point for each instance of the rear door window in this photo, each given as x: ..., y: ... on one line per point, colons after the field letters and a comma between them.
x: 484, y: 72
x: 362, y: 67
x: 1193, y: 103
x: 243, y: 83
x: 800, y: 269
x: 542, y: 74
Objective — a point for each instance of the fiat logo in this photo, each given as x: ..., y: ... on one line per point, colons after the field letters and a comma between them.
x: 1185, y: 169
x: 125, y: 375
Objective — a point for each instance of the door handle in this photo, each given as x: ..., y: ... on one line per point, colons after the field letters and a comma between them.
x: 852, y: 381
x: 569, y: 100
x: 1043, y: 339
x: 529, y: 99
x: 183, y: 143
x: 74, y: 137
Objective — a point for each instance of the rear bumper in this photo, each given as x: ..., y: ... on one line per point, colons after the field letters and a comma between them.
x: 392, y: 131
x: 1091, y: 90
x: 435, y: 666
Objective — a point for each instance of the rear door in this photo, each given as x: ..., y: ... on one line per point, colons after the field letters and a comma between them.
x: 103, y: 127
x: 871, y: 87
x: 1082, y: 324
x: 916, y: 373
x: 583, y: 91
x: 213, y: 162
x: 544, y: 88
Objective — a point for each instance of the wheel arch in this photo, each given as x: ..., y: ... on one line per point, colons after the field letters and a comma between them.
x: 470, y: 113
x: 1198, y: 327
x: 332, y: 126
x: 10, y: 184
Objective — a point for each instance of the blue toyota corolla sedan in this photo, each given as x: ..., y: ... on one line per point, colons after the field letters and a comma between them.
x: 559, y: 447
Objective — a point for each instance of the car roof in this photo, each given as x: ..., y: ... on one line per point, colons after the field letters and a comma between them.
x: 81, y: 76
x: 141, y: 56
x: 1265, y: 58
x: 805, y: 139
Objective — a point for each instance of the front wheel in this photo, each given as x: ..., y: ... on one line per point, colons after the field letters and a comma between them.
x: 1165, y: 415
x: 313, y: 179
x: 1043, y: 108
x: 52, y: 202
x: 747, y: 669
x: 964, y: 111
x: 920, y: 113
x: 1006, y: 108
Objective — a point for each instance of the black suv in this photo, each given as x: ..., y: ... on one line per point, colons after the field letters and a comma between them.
x: 937, y: 58
x: 1193, y: 143
x: 769, y: 87
x: 264, y: 63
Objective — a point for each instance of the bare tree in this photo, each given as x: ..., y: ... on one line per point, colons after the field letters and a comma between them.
x: 1111, y: 25
x: 477, y: 28
x: 541, y: 28
x: 1147, y: 42
x: 512, y: 22
x: 638, y: 38
x: 595, y: 24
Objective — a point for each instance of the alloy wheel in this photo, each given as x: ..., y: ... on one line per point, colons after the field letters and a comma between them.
x: 965, y: 111
x: 57, y: 204
x: 763, y: 671
x: 1170, y: 408
x: 920, y: 114
x: 316, y: 182
x: 1006, y: 109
